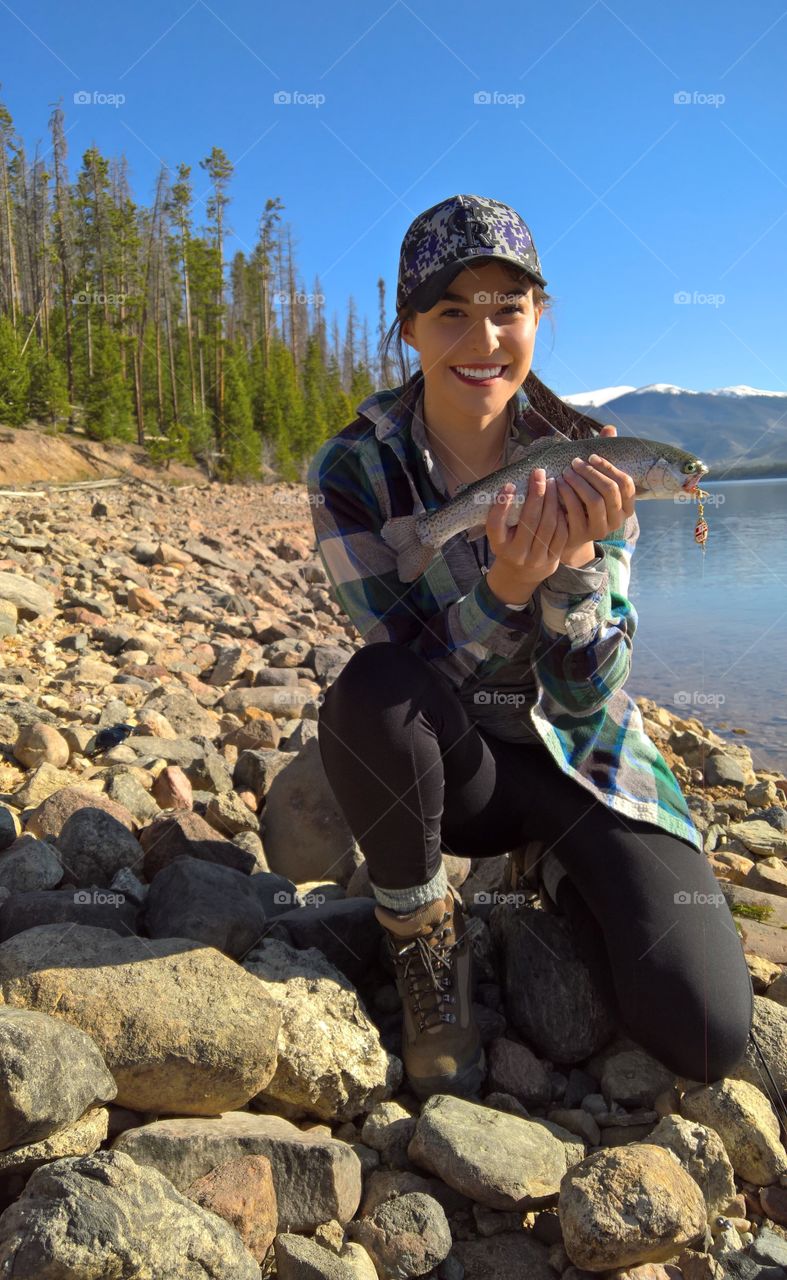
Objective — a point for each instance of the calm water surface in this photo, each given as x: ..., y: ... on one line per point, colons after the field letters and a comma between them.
x: 712, y: 633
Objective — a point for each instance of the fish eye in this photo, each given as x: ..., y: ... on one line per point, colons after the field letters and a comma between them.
x: 689, y: 466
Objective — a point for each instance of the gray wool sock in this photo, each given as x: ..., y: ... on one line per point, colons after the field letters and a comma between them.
x: 406, y: 900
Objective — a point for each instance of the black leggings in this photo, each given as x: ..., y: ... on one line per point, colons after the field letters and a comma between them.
x: 413, y: 774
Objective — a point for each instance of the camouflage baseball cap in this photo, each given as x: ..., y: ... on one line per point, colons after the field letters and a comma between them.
x: 452, y: 235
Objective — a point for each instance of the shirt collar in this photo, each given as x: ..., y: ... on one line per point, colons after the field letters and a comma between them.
x: 397, y: 410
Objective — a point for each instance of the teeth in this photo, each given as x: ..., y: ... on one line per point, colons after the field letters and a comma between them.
x: 492, y: 372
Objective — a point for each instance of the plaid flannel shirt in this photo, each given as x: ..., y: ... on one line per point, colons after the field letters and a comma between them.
x: 579, y: 622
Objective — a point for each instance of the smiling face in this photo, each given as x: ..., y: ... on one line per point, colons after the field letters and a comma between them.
x: 485, y: 321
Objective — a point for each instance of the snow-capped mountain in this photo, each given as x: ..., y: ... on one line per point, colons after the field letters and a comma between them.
x: 735, y: 430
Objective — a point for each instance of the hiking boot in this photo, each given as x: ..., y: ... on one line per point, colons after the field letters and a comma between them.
x: 432, y: 961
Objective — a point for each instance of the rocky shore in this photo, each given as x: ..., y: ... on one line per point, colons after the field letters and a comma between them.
x: 199, y: 1076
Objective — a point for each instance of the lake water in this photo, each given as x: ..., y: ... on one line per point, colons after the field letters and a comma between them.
x: 712, y: 634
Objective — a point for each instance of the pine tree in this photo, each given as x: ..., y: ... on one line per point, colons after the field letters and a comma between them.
x: 107, y: 401
x: 14, y: 376
x: 241, y: 443
x: 47, y: 397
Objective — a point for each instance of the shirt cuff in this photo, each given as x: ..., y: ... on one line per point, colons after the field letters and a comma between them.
x: 577, y: 582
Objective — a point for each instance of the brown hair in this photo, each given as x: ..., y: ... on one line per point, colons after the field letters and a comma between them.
x: 547, y: 406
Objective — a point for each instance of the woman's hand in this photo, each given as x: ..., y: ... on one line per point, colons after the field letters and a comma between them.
x: 529, y: 551
x: 596, y: 498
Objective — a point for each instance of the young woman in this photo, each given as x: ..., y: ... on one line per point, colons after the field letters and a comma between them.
x: 487, y: 706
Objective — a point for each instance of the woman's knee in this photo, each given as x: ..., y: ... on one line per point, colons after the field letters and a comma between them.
x: 698, y: 1033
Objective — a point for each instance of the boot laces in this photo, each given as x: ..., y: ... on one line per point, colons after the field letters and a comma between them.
x: 424, y: 959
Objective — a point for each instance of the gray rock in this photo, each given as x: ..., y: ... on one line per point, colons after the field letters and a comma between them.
x: 283, y: 701
x: 634, y: 1078
x: 515, y: 1255
x: 769, y: 1027
x: 345, y: 930
x: 30, y: 599
x: 212, y: 904
x: 93, y: 846
x: 298, y: 1258
x: 406, y: 1236
x: 304, y: 832
x: 723, y: 770
x: 129, y: 791
x: 317, y: 1178
x: 93, y: 906
x: 50, y: 1073
x: 256, y: 769
x: 103, y: 1215
x: 184, y: 713
x: 497, y: 1160
x: 30, y: 864
x: 551, y: 998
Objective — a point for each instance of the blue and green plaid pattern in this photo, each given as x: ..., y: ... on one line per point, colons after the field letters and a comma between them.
x: 581, y: 620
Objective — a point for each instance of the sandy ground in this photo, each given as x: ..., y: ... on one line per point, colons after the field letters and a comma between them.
x: 29, y: 456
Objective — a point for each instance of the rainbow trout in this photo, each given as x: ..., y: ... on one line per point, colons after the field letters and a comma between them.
x: 658, y: 471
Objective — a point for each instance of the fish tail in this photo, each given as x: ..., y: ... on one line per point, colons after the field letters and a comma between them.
x: 412, y: 555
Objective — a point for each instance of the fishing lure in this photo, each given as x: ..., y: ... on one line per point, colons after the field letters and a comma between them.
x: 701, y: 527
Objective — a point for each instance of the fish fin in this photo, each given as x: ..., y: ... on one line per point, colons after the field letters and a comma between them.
x: 413, y: 557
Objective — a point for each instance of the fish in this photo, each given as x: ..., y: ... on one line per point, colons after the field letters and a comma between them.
x: 658, y: 470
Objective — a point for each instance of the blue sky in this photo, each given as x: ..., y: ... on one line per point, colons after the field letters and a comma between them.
x: 631, y: 197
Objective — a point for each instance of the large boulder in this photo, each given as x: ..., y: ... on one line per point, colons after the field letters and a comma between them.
x: 550, y: 995
x: 629, y: 1204
x: 27, y: 596
x: 94, y: 846
x: 305, y: 834
x: 316, y: 1177
x: 182, y: 1028
x: 337, y: 1073
x: 501, y: 1161
x: 202, y: 900
x: 104, y: 1215
x: 49, y: 817
x: 187, y: 834
x: 50, y: 1073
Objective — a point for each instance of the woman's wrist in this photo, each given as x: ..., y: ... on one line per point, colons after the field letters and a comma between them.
x: 508, y: 588
x: 581, y: 557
